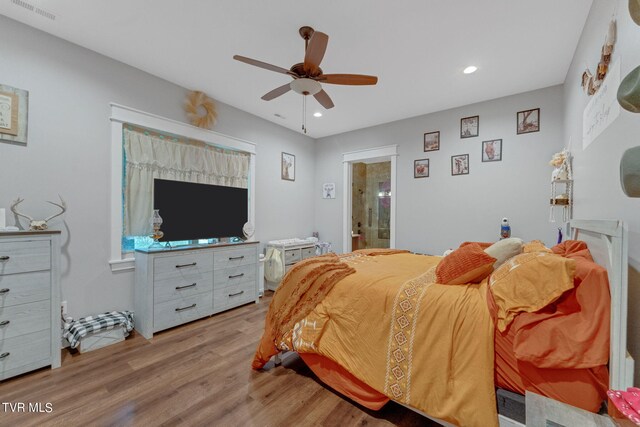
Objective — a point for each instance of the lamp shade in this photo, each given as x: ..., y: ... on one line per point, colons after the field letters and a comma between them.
x: 630, y: 172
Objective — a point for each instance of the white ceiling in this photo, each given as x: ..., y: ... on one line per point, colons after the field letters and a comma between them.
x: 417, y: 48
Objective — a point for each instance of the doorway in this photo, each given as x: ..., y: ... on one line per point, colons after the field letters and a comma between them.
x: 369, y: 184
x: 370, y: 205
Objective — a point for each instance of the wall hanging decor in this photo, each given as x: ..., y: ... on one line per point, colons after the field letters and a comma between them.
x: 288, y: 167
x: 469, y: 126
x: 634, y: 10
x: 329, y: 190
x: 201, y: 110
x: 421, y: 168
x: 492, y: 150
x: 629, y: 91
x: 14, y: 114
x: 460, y: 164
x: 528, y: 121
x: 591, y: 83
x: 432, y: 141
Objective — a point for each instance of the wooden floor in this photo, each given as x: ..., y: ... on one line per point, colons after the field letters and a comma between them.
x: 192, y: 375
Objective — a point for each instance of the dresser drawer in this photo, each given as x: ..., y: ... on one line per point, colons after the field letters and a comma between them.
x: 308, y: 252
x: 233, y: 295
x: 186, y: 285
x: 232, y: 275
x: 181, y: 265
x: 291, y: 256
x: 24, y: 350
x: 24, y: 319
x: 177, y: 312
x: 24, y: 288
x: 25, y: 256
x: 235, y: 257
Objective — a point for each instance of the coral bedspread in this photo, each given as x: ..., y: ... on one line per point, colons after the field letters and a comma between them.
x: 433, y: 352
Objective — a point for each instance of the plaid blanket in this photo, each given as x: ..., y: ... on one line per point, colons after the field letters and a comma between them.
x: 101, y: 322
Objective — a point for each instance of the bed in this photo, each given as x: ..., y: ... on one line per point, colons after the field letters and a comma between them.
x: 376, y: 325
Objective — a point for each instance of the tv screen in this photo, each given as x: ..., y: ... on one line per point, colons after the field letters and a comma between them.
x: 192, y: 211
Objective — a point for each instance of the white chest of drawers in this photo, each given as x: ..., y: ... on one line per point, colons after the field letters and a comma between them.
x: 29, y: 301
x: 290, y: 254
x: 176, y: 286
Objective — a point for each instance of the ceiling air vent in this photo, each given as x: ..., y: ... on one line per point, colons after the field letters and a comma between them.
x: 34, y: 9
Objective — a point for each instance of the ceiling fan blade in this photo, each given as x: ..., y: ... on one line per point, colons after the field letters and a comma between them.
x: 277, y: 92
x: 261, y: 64
x: 323, y: 98
x: 348, y: 79
x: 315, y: 52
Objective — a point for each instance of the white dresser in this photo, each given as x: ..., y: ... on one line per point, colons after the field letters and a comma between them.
x: 29, y: 301
x: 176, y: 286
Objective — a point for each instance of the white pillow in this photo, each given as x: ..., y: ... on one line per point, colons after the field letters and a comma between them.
x: 505, y: 249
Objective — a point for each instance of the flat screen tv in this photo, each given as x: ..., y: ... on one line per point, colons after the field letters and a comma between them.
x: 192, y: 211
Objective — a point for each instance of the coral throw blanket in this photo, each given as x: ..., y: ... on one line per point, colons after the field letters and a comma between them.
x: 380, y: 316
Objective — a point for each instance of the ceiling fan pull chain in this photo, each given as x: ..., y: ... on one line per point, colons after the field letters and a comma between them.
x: 304, y: 114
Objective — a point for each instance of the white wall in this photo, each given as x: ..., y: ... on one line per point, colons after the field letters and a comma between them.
x: 68, y: 150
x: 440, y: 212
x: 598, y: 194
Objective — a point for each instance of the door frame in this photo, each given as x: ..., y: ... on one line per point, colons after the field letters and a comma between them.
x: 383, y: 154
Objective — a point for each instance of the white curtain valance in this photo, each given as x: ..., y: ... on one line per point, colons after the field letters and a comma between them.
x: 149, y: 157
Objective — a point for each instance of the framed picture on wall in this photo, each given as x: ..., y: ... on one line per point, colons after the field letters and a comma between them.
x: 460, y: 164
x: 14, y: 113
x: 288, y: 167
x: 432, y: 141
x: 329, y: 190
x: 421, y: 168
x: 469, y: 126
x: 528, y: 121
x: 492, y: 150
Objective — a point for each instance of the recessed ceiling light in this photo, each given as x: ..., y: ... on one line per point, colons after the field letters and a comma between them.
x: 317, y: 114
x: 470, y: 69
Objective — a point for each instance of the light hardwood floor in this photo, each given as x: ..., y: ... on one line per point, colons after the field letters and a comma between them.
x: 192, y: 375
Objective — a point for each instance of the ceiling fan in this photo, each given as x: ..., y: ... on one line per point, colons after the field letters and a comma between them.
x: 308, y: 76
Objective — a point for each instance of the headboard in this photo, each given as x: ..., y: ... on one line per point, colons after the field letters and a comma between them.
x: 608, y: 244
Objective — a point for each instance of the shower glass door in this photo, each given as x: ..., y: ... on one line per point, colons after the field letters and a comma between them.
x: 371, y: 205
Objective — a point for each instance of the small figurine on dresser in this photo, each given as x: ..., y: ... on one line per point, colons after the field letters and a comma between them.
x: 37, y: 224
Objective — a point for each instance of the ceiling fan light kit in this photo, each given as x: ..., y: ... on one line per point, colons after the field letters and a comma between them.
x: 307, y: 76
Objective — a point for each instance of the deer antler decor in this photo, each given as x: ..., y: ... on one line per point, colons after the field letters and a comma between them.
x: 35, y: 224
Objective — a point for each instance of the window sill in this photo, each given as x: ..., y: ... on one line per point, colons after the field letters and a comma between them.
x: 126, y: 264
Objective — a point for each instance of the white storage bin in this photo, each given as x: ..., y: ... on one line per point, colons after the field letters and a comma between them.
x: 96, y: 340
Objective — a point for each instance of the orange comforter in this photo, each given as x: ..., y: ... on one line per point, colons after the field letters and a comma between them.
x: 425, y: 345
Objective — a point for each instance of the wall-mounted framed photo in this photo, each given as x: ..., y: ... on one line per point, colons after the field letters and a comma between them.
x: 469, y: 126
x: 432, y: 141
x: 288, y: 167
x: 14, y: 114
x: 492, y: 150
x: 329, y: 190
x: 528, y: 121
x: 460, y: 164
x: 421, y: 168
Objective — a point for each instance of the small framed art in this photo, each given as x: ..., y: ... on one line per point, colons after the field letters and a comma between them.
x: 469, y: 126
x: 492, y: 150
x: 528, y: 121
x: 288, y: 167
x: 432, y: 141
x: 329, y: 190
x: 14, y: 114
x: 421, y: 168
x: 460, y: 164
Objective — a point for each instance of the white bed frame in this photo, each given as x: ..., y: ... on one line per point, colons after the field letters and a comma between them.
x: 608, y: 243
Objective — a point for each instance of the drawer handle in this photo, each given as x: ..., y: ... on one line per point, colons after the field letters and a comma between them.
x: 5, y: 258
x: 236, y: 294
x: 231, y: 258
x: 236, y: 276
x: 186, y: 265
x: 4, y: 355
x: 186, y: 308
x: 5, y: 322
x: 4, y: 291
x: 179, y: 288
